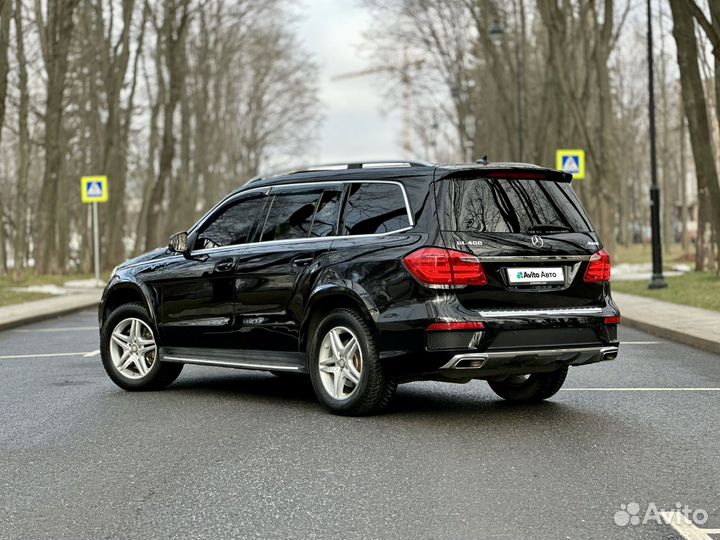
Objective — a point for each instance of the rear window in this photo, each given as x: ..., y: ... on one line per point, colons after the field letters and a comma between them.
x: 500, y: 205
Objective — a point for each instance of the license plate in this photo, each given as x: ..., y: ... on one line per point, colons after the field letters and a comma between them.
x: 519, y: 276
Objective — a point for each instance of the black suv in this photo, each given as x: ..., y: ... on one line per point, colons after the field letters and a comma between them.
x: 368, y: 275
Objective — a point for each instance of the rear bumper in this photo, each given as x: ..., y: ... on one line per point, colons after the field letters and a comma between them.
x: 512, y: 342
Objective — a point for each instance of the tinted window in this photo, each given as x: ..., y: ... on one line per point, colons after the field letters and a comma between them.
x: 290, y: 215
x: 232, y: 224
x: 503, y: 205
x: 326, y: 215
x: 374, y: 208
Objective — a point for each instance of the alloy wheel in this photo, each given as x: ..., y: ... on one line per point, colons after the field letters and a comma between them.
x: 341, y: 363
x: 132, y: 348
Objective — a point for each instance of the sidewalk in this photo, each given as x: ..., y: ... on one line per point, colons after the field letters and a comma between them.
x: 37, y: 310
x: 685, y: 324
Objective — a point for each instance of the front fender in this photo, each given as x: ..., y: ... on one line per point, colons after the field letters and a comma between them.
x: 120, y: 290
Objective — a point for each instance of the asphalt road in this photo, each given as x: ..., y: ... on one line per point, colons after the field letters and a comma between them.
x: 226, y: 453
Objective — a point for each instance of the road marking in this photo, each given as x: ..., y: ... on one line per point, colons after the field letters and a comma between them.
x: 686, y: 528
x: 642, y: 389
x: 96, y: 352
x: 48, y: 355
x: 68, y: 329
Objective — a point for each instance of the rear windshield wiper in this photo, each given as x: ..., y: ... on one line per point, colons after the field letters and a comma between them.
x: 548, y: 227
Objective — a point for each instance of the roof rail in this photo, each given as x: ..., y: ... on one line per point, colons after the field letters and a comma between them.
x: 345, y: 166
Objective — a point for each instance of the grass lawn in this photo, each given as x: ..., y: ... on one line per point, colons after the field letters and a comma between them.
x: 698, y: 289
x: 642, y: 253
x: 9, y: 296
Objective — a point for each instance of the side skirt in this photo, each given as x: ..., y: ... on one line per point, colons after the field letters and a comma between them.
x: 235, y: 358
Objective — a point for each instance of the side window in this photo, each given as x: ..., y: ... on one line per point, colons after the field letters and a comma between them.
x: 232, y: 224
x: 374, y: 208
x: 326, y: 215
x: 290, y: 215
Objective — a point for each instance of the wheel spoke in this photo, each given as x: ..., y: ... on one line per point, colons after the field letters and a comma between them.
x: 134, y: 332
x: 350, y: 376
x: 335, y: 343
x: 339, y: 383
x: 328, y: 361
x: 141, y: 365
x: 327, y: 369
x: 351, y: 347
x: 120, y: 339
x: 144, y: 350
x: 125, y: 360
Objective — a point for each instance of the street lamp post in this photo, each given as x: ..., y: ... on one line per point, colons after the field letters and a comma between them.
x: 657, y: 281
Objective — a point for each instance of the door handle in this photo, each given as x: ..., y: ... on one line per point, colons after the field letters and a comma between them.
x: 302, y: 262
x: 225, y: 265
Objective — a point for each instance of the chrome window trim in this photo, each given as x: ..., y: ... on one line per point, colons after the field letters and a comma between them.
x: 268, y: 189
x: 296, y: 240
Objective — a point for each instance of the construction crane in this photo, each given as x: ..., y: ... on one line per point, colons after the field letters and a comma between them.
x: 403, y: 69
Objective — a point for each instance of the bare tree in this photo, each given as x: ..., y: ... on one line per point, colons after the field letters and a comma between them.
x: 55, y: 29
x: 23, y: 155
x: 700, y: 135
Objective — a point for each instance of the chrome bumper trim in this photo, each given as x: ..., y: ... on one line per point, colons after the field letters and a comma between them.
x: 535, y: 258
x: 555, y: 312
x: 488, y: 357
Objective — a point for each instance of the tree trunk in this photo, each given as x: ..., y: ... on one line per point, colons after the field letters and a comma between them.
x: 700, y: 134
x: 174, y: 32
x: 56, y: 35
x: 21, y: 204
x: 5, y: 16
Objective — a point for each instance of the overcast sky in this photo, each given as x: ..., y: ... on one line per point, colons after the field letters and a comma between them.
x: 355, y: 126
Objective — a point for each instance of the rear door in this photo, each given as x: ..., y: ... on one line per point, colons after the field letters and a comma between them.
x: 273, y: 277
x: 530, y: 233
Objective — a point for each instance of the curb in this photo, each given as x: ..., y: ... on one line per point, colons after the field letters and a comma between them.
x: 45, y: 310
x: 677, y: 336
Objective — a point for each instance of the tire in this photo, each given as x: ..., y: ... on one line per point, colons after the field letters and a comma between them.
x: 373, y: 390
x: 135, y: 336
x: 530, y: 388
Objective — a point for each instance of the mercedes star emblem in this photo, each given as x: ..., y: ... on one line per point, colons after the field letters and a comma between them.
x: 537, y: 241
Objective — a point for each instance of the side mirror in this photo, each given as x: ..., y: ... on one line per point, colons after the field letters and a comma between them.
x: 179, y: 243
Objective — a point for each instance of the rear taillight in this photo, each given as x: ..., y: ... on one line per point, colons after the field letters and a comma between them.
x: 598, y: 269
x: 435, y: 266
x: 613, y: 320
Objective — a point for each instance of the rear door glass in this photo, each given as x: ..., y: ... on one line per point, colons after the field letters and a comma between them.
x: 373, y: 208
x: 290, y: 214
x: 500, y: 205
x: 326, y: 215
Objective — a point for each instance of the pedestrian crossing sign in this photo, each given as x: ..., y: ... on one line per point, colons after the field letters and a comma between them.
x: 94, y: 189
x: 571, y: 161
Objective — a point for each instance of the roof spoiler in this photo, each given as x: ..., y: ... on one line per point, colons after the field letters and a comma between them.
x: 513, y: 172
